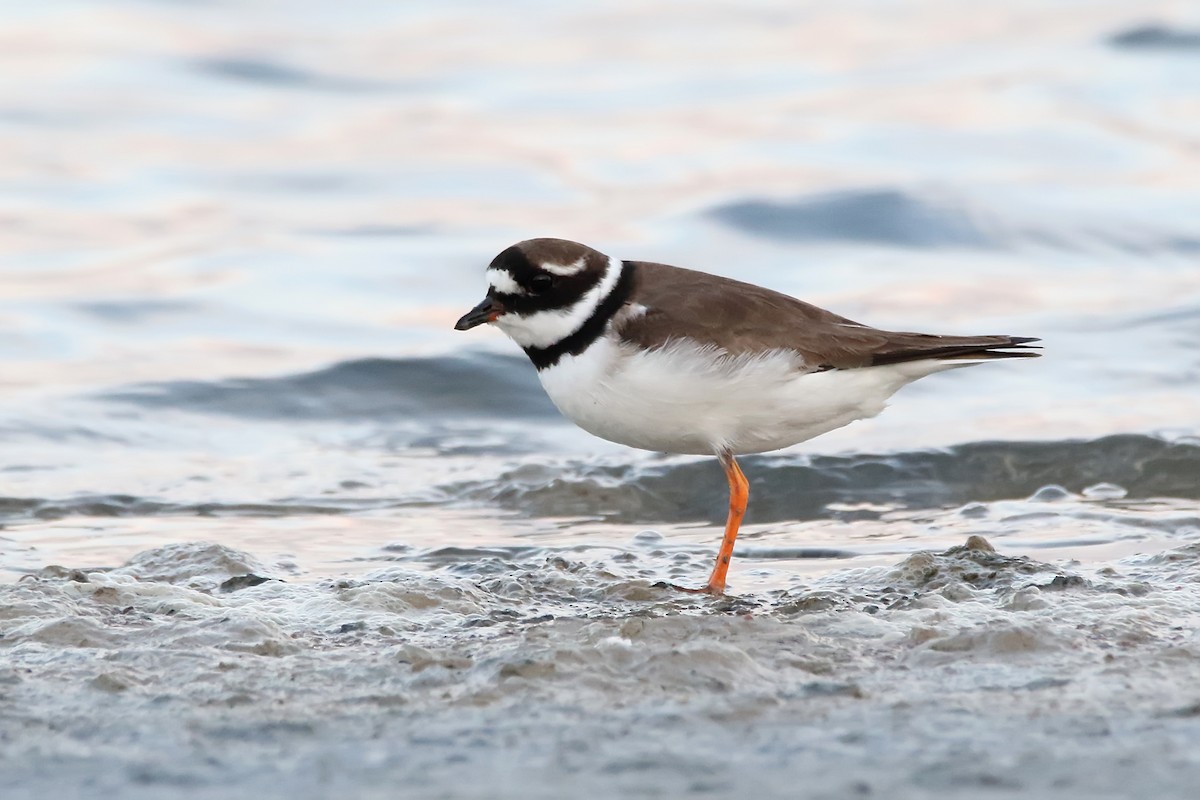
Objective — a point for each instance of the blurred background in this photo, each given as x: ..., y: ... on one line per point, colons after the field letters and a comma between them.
x: 270, y: 527
x: 234, y: 238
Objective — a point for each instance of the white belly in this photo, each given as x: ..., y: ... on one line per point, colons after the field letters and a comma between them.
x: 685, y: 399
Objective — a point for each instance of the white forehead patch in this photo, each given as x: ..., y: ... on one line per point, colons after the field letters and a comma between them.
x: 503, y: 282
x: 574, y: 268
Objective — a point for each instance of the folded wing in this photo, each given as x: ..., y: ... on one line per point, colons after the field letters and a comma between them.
x: 740, y: 318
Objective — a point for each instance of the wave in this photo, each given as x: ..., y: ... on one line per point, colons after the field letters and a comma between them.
x: 896, y: 218
x: 473, y: 385
x: 278, y: 75
x: 879, y: 216
x: 1156, y: 37
x: 123, y: 505
x: 1123, y: 468
x: 1129, y: 466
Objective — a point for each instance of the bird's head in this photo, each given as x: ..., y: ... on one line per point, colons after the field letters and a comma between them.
x: 540, y: 291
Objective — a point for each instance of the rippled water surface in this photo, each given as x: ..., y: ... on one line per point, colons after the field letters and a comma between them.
x: 269, y: 526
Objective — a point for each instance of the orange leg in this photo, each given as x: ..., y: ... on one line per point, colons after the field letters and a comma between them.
x: 739, y: 495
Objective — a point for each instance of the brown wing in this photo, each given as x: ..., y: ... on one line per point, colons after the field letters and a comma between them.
x: 740, y: 317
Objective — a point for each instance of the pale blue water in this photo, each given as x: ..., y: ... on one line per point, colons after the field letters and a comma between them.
x: 234, y: 238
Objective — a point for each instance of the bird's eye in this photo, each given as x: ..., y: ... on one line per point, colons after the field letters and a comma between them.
x: 541, y: 284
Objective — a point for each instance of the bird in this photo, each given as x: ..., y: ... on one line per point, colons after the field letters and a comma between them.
x: 676, y: 360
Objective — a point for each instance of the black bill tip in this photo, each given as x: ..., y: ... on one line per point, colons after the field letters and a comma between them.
x: 486, y: 311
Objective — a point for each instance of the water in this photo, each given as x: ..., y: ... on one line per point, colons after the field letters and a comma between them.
x: 271, y: 527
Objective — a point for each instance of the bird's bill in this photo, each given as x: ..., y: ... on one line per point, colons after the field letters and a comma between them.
x: 487, y: 311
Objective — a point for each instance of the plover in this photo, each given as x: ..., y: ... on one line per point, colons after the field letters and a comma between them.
x: 679, y: 361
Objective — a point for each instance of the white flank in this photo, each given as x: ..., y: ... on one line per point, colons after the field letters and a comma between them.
x: 544, y: 328
x: 503, y: 282
x: 573, y: 268
x: 684, y: 398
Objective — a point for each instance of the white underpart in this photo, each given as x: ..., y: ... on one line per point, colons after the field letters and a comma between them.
x: 574, y: 268
x: 544, y: 328
x: 503, y: 282
x: 685, y: 398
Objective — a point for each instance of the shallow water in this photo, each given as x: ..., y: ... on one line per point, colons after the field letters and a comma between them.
x: 269, y: 526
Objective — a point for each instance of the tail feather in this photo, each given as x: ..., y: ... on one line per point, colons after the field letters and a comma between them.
x: 950, y: 348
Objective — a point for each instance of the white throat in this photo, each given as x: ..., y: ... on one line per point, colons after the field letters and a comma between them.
x: 543, y: 329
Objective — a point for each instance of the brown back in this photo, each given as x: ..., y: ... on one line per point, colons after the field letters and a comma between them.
x: 739, y: 317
